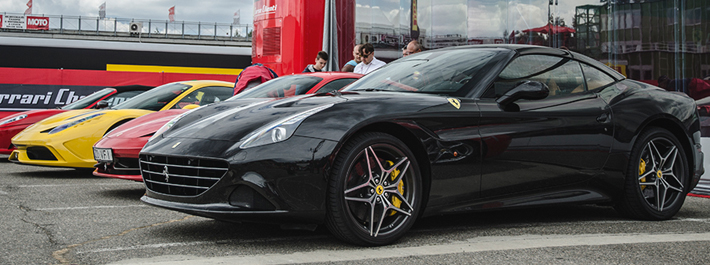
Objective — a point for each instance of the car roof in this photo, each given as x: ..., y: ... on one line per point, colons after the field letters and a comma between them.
x: 332, y: 75
x: 132, y: 88
x: 205, y: 82
x: 524, y: 49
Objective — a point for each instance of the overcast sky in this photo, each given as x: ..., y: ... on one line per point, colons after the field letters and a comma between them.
x: 475, y: 18
x: 221, y: 11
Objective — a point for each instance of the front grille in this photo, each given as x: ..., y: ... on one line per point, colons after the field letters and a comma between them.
x: 40, y: 153
x: 181, y: 176
x: 126, y: 163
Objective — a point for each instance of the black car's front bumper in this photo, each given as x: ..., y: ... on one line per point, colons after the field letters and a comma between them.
x: 278, y: 183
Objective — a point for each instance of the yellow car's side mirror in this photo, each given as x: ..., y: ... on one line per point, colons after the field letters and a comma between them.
x: 191, y: 106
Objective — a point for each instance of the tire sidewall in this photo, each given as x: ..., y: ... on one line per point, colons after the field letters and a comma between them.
x: 645, y: 211
x: 346, y: 159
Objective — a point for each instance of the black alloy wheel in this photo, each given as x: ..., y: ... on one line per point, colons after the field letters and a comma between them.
x: 375, y: 190
x: 657, y: 177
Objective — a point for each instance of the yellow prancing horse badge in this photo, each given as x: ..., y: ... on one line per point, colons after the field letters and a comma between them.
x: 455, y: 102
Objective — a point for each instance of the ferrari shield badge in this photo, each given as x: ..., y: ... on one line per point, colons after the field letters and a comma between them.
x: 455, y: 102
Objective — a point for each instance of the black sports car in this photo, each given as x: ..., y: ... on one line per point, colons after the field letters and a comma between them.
x: 445, y: 131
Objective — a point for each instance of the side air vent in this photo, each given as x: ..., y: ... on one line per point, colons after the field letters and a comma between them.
x: 272, y: 41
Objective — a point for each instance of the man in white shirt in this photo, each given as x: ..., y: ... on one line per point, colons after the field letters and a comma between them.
x: 369, y: 63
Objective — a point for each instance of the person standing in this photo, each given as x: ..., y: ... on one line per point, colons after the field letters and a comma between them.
x: 350, y: 65
x: 369, y: 63
x: 321, y: 60
x: 412, y: 48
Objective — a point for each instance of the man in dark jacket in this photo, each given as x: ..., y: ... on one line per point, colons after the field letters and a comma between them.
x: 321, y: 60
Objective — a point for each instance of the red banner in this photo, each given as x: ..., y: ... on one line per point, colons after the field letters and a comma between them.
x: 37, y: 23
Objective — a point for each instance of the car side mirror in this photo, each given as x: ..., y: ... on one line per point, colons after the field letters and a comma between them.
x: 101, y: 104
x: 524, y: 90
x: 191, y: 106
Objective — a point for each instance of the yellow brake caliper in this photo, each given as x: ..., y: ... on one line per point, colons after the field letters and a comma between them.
x: 400, y: 187
x: 642, y: 169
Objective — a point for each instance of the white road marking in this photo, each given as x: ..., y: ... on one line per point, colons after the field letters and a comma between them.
x: 3, y: 193
x: 79, y: 185
x: 90, y: 207
x: 181, y: 244
x: 472, y: 245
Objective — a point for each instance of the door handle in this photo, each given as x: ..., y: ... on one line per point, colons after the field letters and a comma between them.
x: 604, y: 118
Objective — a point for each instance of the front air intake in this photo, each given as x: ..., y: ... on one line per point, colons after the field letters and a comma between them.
x: 181, y: 176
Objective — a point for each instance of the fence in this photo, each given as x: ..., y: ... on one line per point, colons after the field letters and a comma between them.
x: 80, y: 25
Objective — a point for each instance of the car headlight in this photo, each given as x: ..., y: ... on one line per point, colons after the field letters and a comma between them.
x: 14, y: 119
x: 75, y: 122
x: 279, y: 130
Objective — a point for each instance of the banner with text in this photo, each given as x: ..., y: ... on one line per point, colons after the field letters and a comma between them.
x: 24, y: 22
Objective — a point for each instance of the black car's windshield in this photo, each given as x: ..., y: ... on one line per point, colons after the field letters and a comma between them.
x: 284, y: 86
x: 439, y: 72
x: 88, y: 100
x: 154, y: 99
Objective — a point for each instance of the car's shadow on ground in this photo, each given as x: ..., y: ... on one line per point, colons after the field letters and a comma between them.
x: 48, y: 172
x: 269, y: 235
x: 133, y: 192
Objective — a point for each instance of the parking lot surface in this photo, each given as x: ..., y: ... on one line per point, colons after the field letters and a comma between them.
x: 66, y: 216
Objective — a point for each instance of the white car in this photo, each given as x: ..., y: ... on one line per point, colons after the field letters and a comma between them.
x: 703, y: 187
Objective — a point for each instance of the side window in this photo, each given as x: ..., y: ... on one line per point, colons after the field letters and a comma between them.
x: 335, y: 85
x: 595, y: 78
x: 204, y: 96
x: 561, y: 75
x: 119, y: 98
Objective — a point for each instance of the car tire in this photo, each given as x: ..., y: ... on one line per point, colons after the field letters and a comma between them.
x: 375, y: 203
x: 657, y: 177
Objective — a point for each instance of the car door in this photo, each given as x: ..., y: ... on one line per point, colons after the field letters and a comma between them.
x: 559, y: 141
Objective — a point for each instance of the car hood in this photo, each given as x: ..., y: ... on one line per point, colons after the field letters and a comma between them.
x: 145, y: 125
x: 232, y: 121
x: 32, y: 116
x: 78, y: 119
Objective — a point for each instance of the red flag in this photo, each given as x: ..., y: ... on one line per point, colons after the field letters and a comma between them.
x: 171, y: 13
x: 29, y: 8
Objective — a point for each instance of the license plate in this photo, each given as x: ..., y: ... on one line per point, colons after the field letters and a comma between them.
x: 103, y: 154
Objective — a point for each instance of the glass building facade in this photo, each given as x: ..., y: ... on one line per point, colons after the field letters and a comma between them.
x: 642, y: 39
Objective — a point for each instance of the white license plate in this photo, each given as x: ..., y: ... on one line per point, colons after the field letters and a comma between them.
x: 103, y: 154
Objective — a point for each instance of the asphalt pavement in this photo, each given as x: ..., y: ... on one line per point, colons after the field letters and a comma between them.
x: 66, y: 216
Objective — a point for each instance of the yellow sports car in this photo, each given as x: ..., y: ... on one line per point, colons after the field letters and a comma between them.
x: 65, y: 140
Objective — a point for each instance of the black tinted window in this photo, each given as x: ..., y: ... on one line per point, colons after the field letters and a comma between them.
x: 561, y: 75
x: 119, y: 98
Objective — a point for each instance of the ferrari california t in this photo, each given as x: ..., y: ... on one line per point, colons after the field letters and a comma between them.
x: 444, y: 131
x: 66, y: 139
x: 110, y: 96
x: 117, y: 152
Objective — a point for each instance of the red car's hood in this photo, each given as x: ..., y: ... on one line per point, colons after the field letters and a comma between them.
x: 145, y: 125
x: 32, y: 116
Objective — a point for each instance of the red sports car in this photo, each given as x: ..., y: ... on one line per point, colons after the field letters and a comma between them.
x: 117, y: 152
x: 14, y: 124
